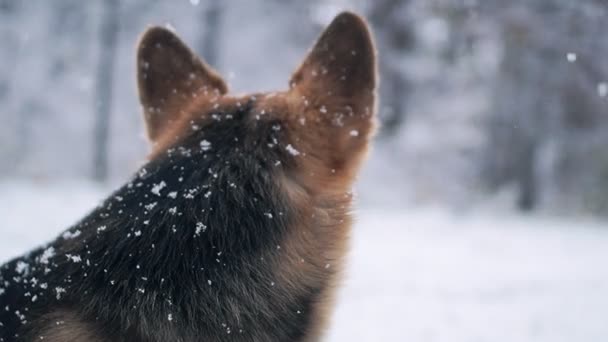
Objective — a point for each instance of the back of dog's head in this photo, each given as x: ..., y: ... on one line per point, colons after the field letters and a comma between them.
x: 318, y: 129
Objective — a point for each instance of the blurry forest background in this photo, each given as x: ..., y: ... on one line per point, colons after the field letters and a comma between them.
x: 482, y: 101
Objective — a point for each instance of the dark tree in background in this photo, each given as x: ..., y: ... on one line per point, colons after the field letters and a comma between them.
x: 209, y: 45
x: 545, y: 107
x: 392, y: 25
x: 8, y: 141
x: 517, y: 109
x: 108, y: 37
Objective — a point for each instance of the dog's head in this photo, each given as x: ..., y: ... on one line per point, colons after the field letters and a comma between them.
x: 318, y: 129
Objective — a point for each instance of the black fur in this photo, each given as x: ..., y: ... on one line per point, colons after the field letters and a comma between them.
x: 183, y: 252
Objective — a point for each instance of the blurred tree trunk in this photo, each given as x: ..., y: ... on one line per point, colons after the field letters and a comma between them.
x: 514, y: 127
x: 526, y: 177
x: 108, y: 37
x: 395, y: 38
x: 8, y: 146
x: 209, y: 44
x: 547, y: 91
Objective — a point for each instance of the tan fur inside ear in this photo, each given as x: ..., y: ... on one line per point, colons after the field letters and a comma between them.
x: 169, y: 76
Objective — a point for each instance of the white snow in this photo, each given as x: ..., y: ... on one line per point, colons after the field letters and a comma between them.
x: 22, y: 267
x: 59, y: 291
x: 205, y: 145
x: 414, y: 274
x: 156, y: 188
x: 429, y: 275
x: 602, y: 89
x: 70, y: 235
x: 150, y: 206
x: 292, y: 150
x: 74, y: 258
x: 200, y: 227
x: 571, y: 57
x: 47, y: 254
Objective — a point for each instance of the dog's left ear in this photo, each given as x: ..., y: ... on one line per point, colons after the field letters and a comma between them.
x: 170, y: 76
x: 338, y: 76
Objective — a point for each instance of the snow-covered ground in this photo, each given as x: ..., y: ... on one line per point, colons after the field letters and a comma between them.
x: 415, y: 274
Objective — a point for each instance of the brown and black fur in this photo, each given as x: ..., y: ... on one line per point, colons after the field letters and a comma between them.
x: 236, y: 228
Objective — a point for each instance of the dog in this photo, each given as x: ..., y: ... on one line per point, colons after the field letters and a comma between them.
x: 236, y: 228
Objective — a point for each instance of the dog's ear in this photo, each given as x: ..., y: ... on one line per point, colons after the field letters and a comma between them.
x: 169, y: 77
x: 338, y: 77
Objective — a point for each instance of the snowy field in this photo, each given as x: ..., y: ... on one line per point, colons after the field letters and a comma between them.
x: 416, y: 274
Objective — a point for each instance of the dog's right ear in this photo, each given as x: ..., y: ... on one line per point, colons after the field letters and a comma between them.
x: 335, y: 88
x: 169, y: 77
x: 338, y: 77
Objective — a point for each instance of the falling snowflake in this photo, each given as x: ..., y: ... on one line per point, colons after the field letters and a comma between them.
x: 602, y: 89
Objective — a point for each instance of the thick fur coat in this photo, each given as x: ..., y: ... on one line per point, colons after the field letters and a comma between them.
x: 237, y: 227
